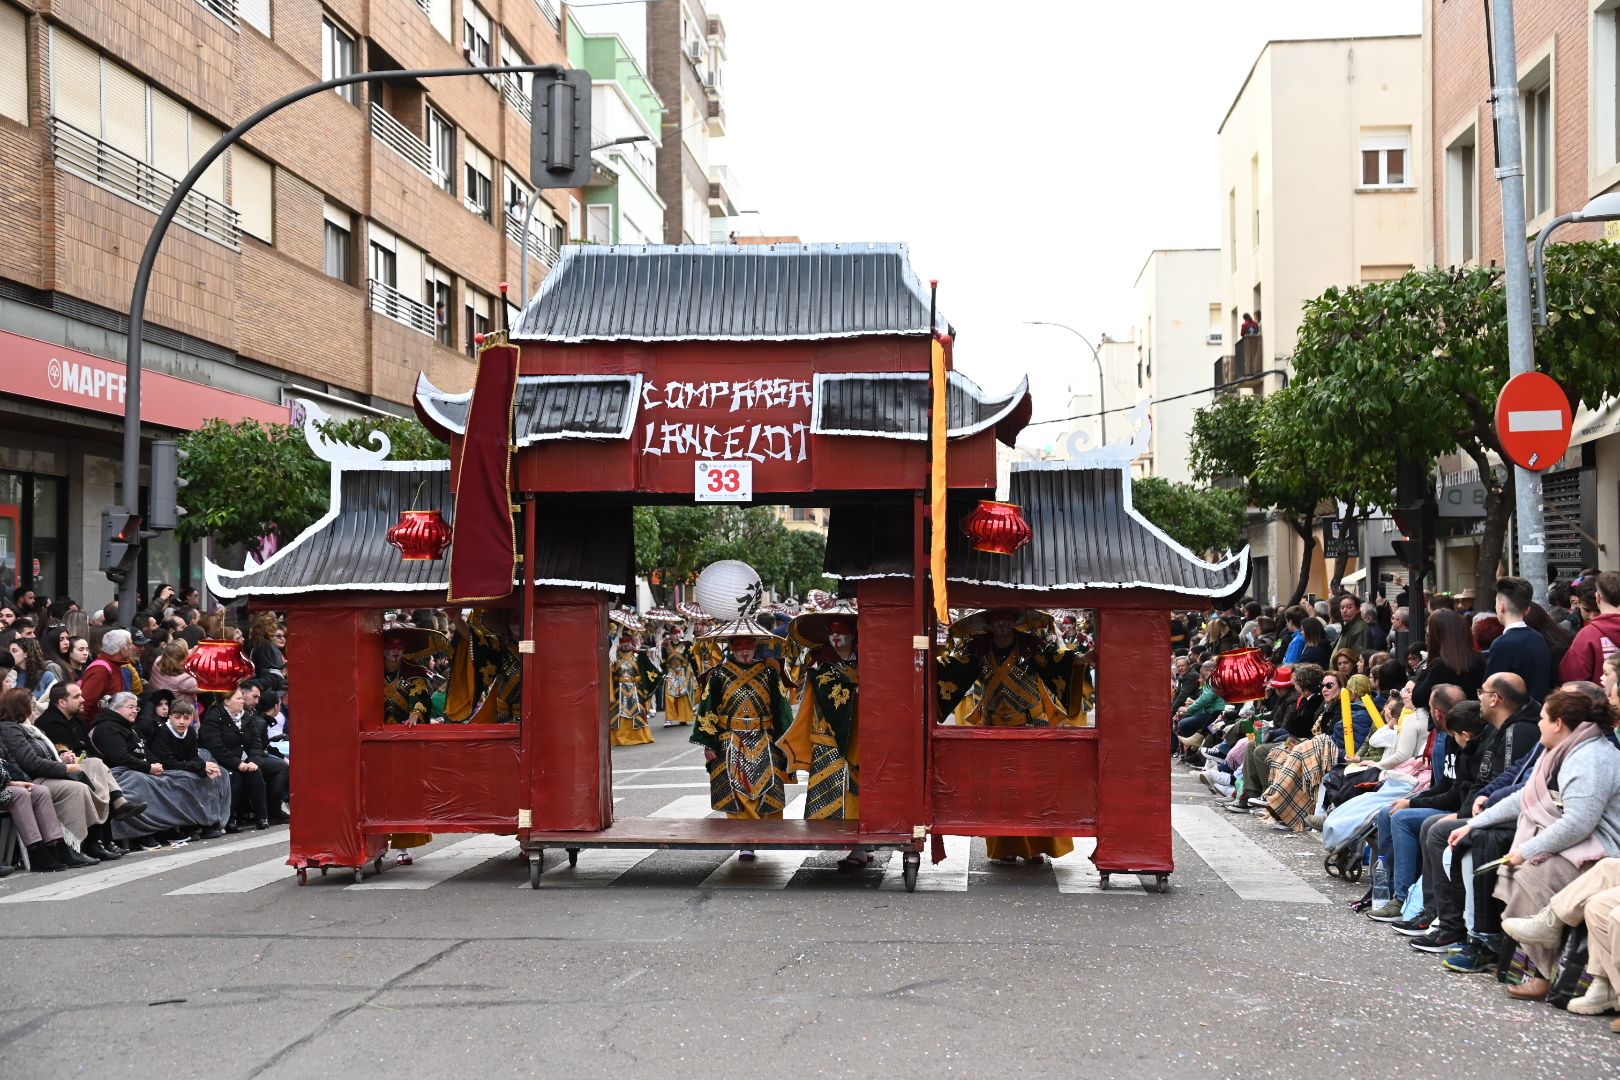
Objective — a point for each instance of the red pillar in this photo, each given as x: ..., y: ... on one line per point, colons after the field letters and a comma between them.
x: 1133, y: 717
x: 337, y: 654
x: 566, y: 713
x: 891, y: 708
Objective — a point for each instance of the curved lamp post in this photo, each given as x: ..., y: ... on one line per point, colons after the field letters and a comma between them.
x: 1605, y: 207
x: 1102, y: 403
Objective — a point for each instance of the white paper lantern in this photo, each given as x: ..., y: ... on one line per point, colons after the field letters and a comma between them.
x: 729, y: 589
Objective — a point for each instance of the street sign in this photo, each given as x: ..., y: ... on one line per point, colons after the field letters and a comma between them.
x: 723, y: 481
x: 1339, y: 540
x: 1533, y: 421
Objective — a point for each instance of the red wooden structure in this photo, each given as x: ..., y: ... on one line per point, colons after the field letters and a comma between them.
x: 811, y: 365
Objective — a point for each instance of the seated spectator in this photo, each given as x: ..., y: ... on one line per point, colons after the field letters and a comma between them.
x: 59, y: 725
x: 1592, y: 898
x: 268, y: 638
x: 33, y: 815
x: 264, y: 716
x: 169, y: 672
x: 33, y: 674
x: 177, y: 801
x: 1451, y: 658
x: 70, y: 795
x: 1298, y: 721
x: 1567, y: 818
x: 1344, y: 664
x: 1316, y: 650
x: 1186, y: 684
x: 231, y: 740
x: 154, y: 710
x: 1196, y: 716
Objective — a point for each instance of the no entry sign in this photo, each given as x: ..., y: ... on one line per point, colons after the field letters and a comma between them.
x: 1533, y: 420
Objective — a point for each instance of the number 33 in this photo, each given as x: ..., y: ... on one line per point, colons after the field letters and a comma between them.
x: 724, y: 480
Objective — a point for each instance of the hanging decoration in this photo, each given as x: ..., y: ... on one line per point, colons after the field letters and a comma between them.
x: 997, y: 527
x: 420, y: 535
x: 218, y: 665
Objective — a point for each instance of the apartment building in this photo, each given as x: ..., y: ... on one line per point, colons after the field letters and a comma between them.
x: 1322, y: 156
x: 346, y: 244
x: 1179, y: 335
x: 622, y: 205
x: 686, y: 53
x: 1568, y: 74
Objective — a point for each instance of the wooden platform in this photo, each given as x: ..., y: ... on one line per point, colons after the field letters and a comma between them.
x: 723, y: 833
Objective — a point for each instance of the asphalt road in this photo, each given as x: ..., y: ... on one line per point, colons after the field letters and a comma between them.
x: 660, y: 971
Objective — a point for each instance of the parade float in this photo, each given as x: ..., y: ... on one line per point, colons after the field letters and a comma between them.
x: 811, y: 376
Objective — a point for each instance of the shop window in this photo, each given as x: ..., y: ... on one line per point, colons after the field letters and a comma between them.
x: 32, y: 508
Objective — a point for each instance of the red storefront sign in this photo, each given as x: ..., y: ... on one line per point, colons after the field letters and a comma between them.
x: 48, y: 372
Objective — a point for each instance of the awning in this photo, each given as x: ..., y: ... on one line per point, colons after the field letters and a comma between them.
x: 1354, y: 578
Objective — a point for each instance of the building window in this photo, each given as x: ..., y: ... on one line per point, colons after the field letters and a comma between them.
x: 1384, y: 158
x: 1213, y: 335
x: 338, y: 54
x: 1231, y: 225
x: 256, y: 13
x: 1462, y: 195
x: 476, y: 33
x: 384, y: 262
x: 1254, y: 195
x: 576, y: 220
x: 339, y: 243
x: 253, y: 193
x: 476, y: 315
x: 480, y: 183
x: 518, y: 86
x: 436, y: 294
x: 13, y: 64
x: 1605, y: 86
x: 442, y: 147
x: 1536, y: 105
x: 33, y: 520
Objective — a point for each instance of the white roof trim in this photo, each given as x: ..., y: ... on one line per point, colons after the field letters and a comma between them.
x: 430, y: 396
x: 955, y: 377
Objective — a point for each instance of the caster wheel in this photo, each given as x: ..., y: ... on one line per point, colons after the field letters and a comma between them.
x: 303, y: 875
x: 534, y: 872
x: 573, y: 856
x: 323, y: 871
x: 910, y: 862
x: 1161, y: 883
x: 1103, y: 880
x: 359, y: 874
x: 1329, y: 868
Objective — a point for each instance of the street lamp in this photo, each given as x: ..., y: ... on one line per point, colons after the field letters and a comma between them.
x: 1605, y: 207
x: 1102, y: 403
x: 528, y: 218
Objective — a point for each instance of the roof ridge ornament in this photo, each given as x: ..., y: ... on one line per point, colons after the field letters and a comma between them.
x: 339, y: 453
x: 1119, y: 453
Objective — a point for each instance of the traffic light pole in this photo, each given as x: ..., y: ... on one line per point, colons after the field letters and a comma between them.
x: 1516, y: 262
x: 129, y: 487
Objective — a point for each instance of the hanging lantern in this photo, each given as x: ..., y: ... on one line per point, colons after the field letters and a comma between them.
x: 1240, y: 675
x: 218, y: 665
x: 420, y: 535
x: 997, y: 527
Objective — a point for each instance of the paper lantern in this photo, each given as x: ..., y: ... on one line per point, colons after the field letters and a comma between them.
x: 1241, y: 675
x: 997, y: 527
x: 218, y: 665
x: 729, y: 589
x: 420, y: 535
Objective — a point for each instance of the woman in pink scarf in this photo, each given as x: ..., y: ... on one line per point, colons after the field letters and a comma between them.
x: 1567, y: 815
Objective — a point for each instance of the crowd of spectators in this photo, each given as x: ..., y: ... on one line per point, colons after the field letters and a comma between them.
x: 107, y: 747
x: 1471, y: 778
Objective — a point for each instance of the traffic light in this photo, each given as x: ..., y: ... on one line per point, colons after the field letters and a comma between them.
x: 166, y: 510
x: 120, y: 542
x: 560, y: 131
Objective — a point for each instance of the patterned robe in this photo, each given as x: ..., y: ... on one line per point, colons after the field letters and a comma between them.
x: 822, y: 739
x: 405, y: 694
x: 486, y: 676
x: 634, y: 678
x: 742, y: 715
x: 1024, y: 685
x: 680, y: 684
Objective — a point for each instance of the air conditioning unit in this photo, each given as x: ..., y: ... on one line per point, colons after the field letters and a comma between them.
x: 694, y: 50
x: 1214, y: 338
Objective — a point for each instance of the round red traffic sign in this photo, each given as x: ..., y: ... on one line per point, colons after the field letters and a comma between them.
x: 1533, y: 420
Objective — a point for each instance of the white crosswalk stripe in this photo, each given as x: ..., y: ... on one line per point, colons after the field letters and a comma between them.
x: 767, y: 869
x: 137, y: 869
x: 440, y: 864
x: 244, y: 880
x: 1251, y: 871
x: 948, y: 876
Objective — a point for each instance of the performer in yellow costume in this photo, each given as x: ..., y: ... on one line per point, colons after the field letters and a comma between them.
x: 407, y: 699
x: 1021, y: 679
x: 822, y: 740
x: 634, y: 677
x: 486, y: 672
x: 743, y: 712
x: 680, y: 682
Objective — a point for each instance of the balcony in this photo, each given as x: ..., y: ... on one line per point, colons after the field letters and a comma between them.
x: 224, y: 9
x: 394, y: 135
x: 549, y: 10
x: 393, y: 304
x: 537, y: 247
x: 512, y: 91
x: 87, y: 157
x: 722, y: 192
x: 1245, y: 364
x: 717, y: 118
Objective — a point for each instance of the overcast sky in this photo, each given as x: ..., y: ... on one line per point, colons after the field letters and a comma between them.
x: 1031, y: 152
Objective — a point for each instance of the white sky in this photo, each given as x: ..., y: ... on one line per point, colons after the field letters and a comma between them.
x: 1031, y: 152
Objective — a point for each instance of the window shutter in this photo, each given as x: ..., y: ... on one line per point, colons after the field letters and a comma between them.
x: 13, y: 64
x: 439, y: 15
x: 479, y: 160
x: 338, y: 216
x: 171, y: 123
x: 203, y: 136
x: 76, y: 83
x: 125, y: 126
x: 253, y: 193
x: 408, y: 261
x: 256, y: 13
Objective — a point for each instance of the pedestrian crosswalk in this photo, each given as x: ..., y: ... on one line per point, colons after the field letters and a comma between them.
x: 1243, y: 866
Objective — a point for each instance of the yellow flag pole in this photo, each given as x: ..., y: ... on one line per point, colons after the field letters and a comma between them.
x: 939, y: 423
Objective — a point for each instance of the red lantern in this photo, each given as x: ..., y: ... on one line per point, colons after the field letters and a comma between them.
x: 997, y: 527
x: 420, y: 535
x: 218, y: 665
x: 1240, y: 675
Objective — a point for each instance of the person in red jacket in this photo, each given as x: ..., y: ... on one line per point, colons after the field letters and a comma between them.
x: 1599, y: 639
x: 104, y: 676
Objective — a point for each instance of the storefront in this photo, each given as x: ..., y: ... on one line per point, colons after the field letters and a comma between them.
x: 61, y: 423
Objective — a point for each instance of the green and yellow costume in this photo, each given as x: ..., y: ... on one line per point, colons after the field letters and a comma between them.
x: 680, y: 684
x: 406, y: 696
x: 635, y: 677
x: 486, y: 675
x: 822, y: 738
x: 743, y: 713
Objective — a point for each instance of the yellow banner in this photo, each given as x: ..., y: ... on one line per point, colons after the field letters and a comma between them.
x: 936, y: 437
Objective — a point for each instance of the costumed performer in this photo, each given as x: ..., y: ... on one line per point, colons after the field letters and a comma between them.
x: 634, y: 677
x: 486, y: 672
x: 822, y: 739
x: 407, y: 699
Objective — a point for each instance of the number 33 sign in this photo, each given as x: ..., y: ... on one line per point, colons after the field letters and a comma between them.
x: 723, y: 481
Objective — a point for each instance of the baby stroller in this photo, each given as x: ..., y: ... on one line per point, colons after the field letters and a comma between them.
x: 1346, y: 861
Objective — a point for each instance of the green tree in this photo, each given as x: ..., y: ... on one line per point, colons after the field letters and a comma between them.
x: 1203, y: 520
x: 1413, y: 366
